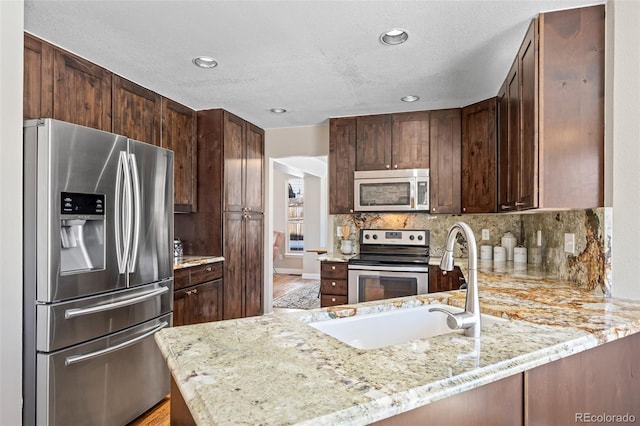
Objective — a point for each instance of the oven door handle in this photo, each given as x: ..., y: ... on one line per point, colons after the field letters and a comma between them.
x: 424, y: 269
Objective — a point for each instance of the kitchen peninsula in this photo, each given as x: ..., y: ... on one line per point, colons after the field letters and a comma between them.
x: 276, y: 369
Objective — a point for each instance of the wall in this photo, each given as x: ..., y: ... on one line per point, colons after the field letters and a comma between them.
x: 11, y: 63
x: 313, y: 213
x: 623, y: 111
x: 588, y: 268
x: 286, y: 142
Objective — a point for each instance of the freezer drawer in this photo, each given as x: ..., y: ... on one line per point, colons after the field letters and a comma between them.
x: 109, y: 381
x: 61, y: 325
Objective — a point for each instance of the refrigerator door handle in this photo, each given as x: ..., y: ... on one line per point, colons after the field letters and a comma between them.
x: 127, y: 209
x: 79, y: 358
x: 76, y: 312
x: 137, y: 206
x: 118, y: 213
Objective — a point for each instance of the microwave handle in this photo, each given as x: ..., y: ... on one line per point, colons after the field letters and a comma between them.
x: 412, y: 194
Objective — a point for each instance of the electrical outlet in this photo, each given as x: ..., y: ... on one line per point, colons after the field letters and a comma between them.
x: 485, y: 234
x: 280, y: 256
x: 570, y: 243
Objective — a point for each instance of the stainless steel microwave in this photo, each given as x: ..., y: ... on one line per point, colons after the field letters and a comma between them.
x: 391, y: 190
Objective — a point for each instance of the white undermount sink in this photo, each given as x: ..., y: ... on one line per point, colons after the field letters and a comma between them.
x: 371, y: 331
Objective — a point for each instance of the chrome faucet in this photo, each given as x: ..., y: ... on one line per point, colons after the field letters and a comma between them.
x: 469, y: 320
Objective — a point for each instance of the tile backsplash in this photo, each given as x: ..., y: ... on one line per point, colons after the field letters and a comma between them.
x: 589, y: 267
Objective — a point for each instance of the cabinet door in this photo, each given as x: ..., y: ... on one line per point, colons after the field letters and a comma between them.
x: 342, y: 160
x: 206, y: 302
x: 81, y: 92
x: 234, y: 162
x: 602, y: 380
x: 253, y: 237
x: 445, y: 161
x: 440, y: 280
x: 254, y: 172
x: 528, y: 155
x: 410, y: 140
x: 479, y: 154
x: 373, y: 142
x: 234, y: 264
x: 510, y: 143
x: 38, y: 78
x: 503, y: 147
x: 178, y: 135
x: 136, y: 111
x: 181, y: 308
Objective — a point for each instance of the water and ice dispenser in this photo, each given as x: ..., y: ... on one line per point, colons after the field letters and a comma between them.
x: 82, y: 232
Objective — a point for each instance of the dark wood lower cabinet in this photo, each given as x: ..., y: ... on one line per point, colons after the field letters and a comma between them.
x: 197, y: 294
x: 440, y: 280
x: 334, y: 288
x: 601, y: 381
x: 198, y: 303
x: 497, y: 403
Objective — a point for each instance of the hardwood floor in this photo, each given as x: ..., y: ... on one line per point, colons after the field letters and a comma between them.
x: 159, y: 415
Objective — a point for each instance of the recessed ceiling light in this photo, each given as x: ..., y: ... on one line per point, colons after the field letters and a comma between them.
x: 410, y: 98
x: 278, y: 110
x: 205, y: 62
x: 393, y: 37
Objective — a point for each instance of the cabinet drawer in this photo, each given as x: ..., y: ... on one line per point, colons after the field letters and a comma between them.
x: 337, y: 270
x: 332, y: 300
x: 204, y: 273
x: 335, y: 287
x: 181, y: 278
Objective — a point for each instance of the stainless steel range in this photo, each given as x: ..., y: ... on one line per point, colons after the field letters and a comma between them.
x: 390, y: 263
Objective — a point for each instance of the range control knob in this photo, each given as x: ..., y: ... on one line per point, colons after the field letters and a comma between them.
x: 412, y: 237
x: 419, y: 237
x: 366, y: 236
x: 375, y: 236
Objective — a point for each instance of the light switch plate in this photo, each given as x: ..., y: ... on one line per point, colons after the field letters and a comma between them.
x: 570, y: 243
x: 485, y: 234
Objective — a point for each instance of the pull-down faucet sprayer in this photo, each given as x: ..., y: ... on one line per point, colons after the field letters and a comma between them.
x: 469, y: 320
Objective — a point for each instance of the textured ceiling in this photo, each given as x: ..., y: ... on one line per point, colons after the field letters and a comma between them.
x: 317, y: 59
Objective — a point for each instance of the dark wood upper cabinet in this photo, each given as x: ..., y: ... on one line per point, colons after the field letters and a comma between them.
x: 342, y: 160
x: 234, y: 162
x: 81, y: 91
x: 373, y: 142
x: 479, y: 155
x: 445, y: 161
x: 551, y: 115
x: 392, y: 141
x: 571, y: 108
x: 38, y: 78
x: 137, y: 111
x: 528, y: 147
x: 178, y: 135
x: 254, y: 169
x: 410, y: 140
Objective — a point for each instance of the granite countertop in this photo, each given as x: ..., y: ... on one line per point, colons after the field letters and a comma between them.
x: 189, y: 261
x: 276, y: 369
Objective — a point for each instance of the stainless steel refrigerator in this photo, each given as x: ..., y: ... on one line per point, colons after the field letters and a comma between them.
x: 98, y: 274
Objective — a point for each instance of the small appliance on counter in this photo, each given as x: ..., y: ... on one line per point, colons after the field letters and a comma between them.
x: 390, y: 263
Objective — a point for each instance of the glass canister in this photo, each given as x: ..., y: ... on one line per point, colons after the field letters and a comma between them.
x: 177, y: 248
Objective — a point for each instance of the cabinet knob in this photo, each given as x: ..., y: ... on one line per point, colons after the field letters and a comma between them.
x: 388, y: 166
x: 333, y: 268
x: 518, y: 204
x: 333, y: 283
x: 504, y: 207
x: 464, y: 209
x: 395, y: 166
x: 208, y: 269
x: 333, y: 299
x: 433, y: 209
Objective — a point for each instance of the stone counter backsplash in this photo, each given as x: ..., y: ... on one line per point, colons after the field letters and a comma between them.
x: 589, y: 267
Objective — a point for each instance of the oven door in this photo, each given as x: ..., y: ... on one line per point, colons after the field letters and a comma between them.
x: 368, y: 282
